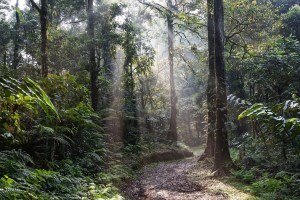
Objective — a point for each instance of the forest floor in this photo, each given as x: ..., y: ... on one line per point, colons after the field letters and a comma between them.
x: 185, y: 179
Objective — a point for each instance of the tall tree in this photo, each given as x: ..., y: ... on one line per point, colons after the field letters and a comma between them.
x: 139, y: 58
x: 168, y: 13
x: 131, y: 132
x: 109, y: 38
x: 92, y: 54
x: 172, y: 134
x: 43, y: 12
x: 16, y: 54
x: 211, y: 84
x: 222, y: 156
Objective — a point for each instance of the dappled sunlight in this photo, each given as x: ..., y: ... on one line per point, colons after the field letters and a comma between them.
x: 202, y: 173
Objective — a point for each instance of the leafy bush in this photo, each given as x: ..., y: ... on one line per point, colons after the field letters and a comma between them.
x: 245, y: 175
x: 18, y: 98
x: 266, y: 185
x: 291, y: 22
x: 66, y: 90
x: 11, y: 162
x: 46, y: 184
x: 60, y: 159
x: 283, y: 128
x: 282, y: 185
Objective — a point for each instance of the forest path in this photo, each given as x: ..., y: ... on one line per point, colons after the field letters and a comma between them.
x: 184, y: 179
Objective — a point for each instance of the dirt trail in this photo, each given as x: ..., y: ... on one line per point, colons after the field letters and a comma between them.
x: 180, y: 180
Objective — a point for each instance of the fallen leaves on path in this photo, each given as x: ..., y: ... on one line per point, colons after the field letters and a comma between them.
x: 179, y: 180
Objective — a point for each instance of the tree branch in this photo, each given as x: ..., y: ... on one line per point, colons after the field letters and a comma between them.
x: 35, y: 6
x: 155, y: 6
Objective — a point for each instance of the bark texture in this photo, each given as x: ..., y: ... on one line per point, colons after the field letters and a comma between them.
x: 222, y: 156
x: 211, y: 85
x: 92, y: 55
x: 172, y: 134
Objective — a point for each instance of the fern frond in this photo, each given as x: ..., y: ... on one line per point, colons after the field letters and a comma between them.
x: 19, y: 155
x: 6, y: 193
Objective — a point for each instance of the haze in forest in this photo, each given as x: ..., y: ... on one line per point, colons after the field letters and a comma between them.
x: 149, y: 99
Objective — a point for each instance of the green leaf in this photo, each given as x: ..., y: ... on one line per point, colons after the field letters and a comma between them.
x: 43, y: 98
x: 31, y: 90
x: 248, y: 112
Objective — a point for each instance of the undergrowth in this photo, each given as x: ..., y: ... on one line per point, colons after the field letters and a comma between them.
x: 267, y: 185
x: 48, y: 157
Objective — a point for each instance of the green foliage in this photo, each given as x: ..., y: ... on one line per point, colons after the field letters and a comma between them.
x: 276, y: 132
x: 138, y: 60
x: 281, y: 121
x: 266, y: 185
x: 103, y: 192
x: 66, y: 90
x: 117, y: 173
x: 283, y: 185
x: 28, y: 91
x: 248, y: 24
x: 246, y: 176
x: 22, y: 182
x: 274, y: 71
x: 72, y: 148
x: 13, y: 161
x: 291, y: 22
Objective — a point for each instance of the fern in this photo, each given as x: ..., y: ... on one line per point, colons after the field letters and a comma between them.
x: 16, y: 155
x: 11, y: 193
x: 12, y: 161
x: 31, y: 89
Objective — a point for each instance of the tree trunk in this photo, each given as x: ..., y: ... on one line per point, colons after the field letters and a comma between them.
x: 131, y: 132
x: 211, y: 85
x: 172, y: 134
x: 44, y: 30
x: 222, y: 158
x: 43, y: 12
x: 130, y: 117
x: 92, y: 55
x: 16, y: 55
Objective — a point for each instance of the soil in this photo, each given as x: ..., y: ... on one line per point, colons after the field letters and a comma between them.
x: 185, y: 179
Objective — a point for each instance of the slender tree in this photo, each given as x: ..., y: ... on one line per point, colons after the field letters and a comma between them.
x: 222, y: 158
x: 109, y: 40
x: 172, y: 134
x: 136, y: 63
x: 211, y: 84
x: 16, y: 54
x: 92, y: 54
x: 43, y: 12
x: 131, y: 132
x: 168, y: 13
